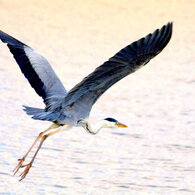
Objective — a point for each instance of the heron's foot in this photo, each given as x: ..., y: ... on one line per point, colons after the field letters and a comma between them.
x: 19, y: 165
x: 26, y: 170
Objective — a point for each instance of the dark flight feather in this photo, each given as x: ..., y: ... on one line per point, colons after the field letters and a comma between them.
x: 126, y: 61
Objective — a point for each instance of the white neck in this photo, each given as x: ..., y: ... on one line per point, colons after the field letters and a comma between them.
x: 95, y: 129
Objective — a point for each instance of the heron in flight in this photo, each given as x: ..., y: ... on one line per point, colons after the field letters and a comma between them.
x: 66, y: 109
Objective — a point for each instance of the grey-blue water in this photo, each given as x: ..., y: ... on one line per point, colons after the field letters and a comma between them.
x: 155, y: 154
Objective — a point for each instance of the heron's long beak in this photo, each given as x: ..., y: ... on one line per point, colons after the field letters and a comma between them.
x: 121, y: 125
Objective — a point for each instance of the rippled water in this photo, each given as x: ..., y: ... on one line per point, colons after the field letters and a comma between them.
x: 155, y: 155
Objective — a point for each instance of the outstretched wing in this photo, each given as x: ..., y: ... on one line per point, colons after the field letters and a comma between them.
x: 37, y: 70
x: 126, y: 61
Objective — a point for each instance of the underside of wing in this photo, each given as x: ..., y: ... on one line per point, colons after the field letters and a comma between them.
x: 37, y: 70
x: 126, y: 61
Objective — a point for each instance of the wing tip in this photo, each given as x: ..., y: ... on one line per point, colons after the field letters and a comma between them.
x: 6, y: 38
x: 150, y: 45
x: 165, y: 36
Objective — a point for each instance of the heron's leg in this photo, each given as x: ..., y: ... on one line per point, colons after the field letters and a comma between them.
x: 28, y: 166
x: 53, y: 126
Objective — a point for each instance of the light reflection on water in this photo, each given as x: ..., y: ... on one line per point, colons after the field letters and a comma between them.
x: 155, y: 155
x: 109, y: 162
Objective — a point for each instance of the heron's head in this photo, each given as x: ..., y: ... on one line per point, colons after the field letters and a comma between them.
x: 112, y: 123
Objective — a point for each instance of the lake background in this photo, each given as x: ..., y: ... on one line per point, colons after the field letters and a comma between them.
x: 156, y: 153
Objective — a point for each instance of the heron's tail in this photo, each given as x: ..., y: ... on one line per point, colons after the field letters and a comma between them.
x: 41, y: 114
x: 32, y: 111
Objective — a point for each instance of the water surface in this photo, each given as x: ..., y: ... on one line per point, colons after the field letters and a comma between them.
x: 155, y: 155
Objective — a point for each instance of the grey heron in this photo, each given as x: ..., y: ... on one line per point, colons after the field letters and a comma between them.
x: 68, y: 109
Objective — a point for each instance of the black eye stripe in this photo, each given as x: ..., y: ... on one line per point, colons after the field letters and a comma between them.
x: 110, y: 119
